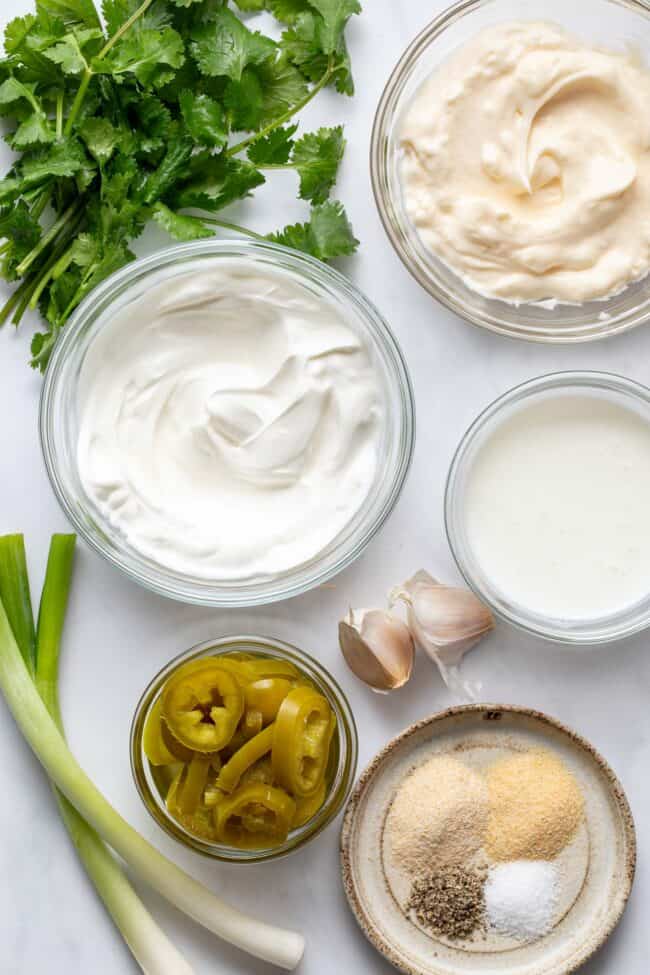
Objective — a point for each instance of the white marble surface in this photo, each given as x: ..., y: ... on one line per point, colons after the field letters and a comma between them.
x: 119, y: 635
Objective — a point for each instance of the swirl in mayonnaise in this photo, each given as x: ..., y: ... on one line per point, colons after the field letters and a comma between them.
x: 526, y: 166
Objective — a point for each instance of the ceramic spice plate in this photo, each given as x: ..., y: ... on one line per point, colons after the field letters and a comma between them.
x: 597, y: 867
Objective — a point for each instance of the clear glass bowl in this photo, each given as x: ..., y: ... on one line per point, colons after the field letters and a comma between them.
x: 344, y: 762
x: 617, y: 25
x: 611, y: 627
x: 59, y: 421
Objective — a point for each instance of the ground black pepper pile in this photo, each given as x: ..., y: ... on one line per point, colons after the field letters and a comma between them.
x: 450, y: 903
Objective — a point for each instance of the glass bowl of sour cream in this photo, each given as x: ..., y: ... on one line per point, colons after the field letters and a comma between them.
x: 229, y: 423
x: 510, y: 162
x: 546, y: 507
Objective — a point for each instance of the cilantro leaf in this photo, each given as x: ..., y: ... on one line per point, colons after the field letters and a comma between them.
x: 12, y: 90
x: 41, y: 348
x: 288, y: 10
x: 273, y: 149
x: 204, y: 119
x: 301, y: 45
x: 282, y: 88
x: 344, y: 81
x: 68, y: 52
x: 35, y: 130
x: 21, y: 228
x: 251, y: 5
x: 10, y: 188
x: 117, y: 12
x: 17, y: 31
x: 304, y: 45
x: 214, y: 181
x: 173, y: 166
x: 179, y: 226
x: 317, y: 157
x: 20, y: 102
x: 225, y: 46
x: 327, y: 235
x: 70, y: 11
x: 101, y: 138
x: 245, y: 102
x: 83, y: 252
x: 145, y: 55
x: 335, y: 14
x: 153, y: 116
x: 61, y: 159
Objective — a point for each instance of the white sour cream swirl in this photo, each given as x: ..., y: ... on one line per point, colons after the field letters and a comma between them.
x: 230, y: 422
x: 526, y: 166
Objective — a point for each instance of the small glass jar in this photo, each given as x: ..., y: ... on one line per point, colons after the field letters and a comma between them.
x: 614, y: 25
x: 59, y: 420
x: 343, y: 765
x: 624, y: 622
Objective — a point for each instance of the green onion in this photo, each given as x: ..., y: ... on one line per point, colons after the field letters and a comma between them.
x: 150, y: 946
x: 274, y: 945
x: 14, y: 592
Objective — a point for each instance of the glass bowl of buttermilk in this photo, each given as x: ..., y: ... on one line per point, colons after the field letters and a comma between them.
x: 267, y: 790
x: 546, y: 507
x: 229, y: 423
x: 510, y: 162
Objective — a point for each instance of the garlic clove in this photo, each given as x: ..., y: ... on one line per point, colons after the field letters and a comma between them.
x: 445, y: 622
x: 378, y: 648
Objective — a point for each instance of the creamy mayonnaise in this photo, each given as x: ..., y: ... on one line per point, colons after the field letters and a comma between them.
x: 556, y: 507
x: 526, y: 165
x: 230, y: 422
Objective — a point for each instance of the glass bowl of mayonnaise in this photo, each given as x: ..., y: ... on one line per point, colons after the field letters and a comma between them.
x: 510, y: 162
x: 227, y: 422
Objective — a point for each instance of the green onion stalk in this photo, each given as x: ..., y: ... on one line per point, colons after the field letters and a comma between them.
x: 28, y: 680
x: 151, y: 948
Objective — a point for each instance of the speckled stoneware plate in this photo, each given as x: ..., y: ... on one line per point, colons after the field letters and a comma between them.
x: 597, y: 867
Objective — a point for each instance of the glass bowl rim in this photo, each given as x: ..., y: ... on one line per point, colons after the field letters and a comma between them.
x: 299, y: 579
x: 602, y: 632
x: 348, y: 747
x: 448, y: 297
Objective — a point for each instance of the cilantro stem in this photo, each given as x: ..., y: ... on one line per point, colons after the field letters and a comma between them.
x: 88, y: 72
x: 58, y: 252
x: 48, y: 237
x: 59, y: 115
x: 41, y: 202
x: 15, y: 298
x: 29, y: 292
x: 281, y: 119
x: 124, y: 27
x: 78, y: 100
x: 233, y: 226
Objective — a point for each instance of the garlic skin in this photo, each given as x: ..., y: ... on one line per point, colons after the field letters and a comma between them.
x: 445, y: 622
x: 378, y: 648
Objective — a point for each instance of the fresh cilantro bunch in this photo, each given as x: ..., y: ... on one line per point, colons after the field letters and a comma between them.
x: 163, y: 106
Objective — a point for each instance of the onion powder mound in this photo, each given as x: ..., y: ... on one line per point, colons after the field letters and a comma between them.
x: 521, y: 898
x: 438, y: 816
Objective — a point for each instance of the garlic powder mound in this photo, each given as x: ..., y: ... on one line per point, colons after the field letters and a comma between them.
x: 438, y: 816
x: 536, y: 807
